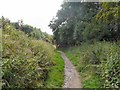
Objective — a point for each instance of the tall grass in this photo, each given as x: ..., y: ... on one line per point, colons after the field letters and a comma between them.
x: 98, y: 64
x: 28, y: 63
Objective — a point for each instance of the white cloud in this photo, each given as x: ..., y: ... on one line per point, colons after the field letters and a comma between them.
x: 37, y: 13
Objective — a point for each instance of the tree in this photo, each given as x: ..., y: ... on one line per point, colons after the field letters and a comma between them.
x: 71, y: 20
x: 109, y: 14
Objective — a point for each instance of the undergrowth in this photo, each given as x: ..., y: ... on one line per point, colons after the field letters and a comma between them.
x: 29, y: 63
x: 98, y: 64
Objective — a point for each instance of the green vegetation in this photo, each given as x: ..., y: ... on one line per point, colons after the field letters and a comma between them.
x: 97, y: 63
x: 27, y: 62
x: 78, y: 22
x: 33, y: 32
x: 56, y: 77
x: 90, y: 31
x: 89, y: 34
x: 0, y: 58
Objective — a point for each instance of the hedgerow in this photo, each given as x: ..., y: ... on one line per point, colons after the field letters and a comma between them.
x: 26, y: 62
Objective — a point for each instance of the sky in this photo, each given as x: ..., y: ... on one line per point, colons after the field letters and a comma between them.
x: 37, y: 13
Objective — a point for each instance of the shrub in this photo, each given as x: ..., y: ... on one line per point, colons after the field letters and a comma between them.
x: 101, y: 60
x: 26, y: 62
x: 110, y: 67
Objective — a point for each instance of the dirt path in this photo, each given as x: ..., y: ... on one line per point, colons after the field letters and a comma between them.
x: 72, y: 79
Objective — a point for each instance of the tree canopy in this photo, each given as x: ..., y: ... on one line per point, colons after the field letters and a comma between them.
x: 78, y: 22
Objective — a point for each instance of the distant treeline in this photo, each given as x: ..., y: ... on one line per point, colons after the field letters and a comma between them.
x: 31, y: 31
x: 78, y: 22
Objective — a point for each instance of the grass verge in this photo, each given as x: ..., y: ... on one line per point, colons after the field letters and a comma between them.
x: 56, y: 73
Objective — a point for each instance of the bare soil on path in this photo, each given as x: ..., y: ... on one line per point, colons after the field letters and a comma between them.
x: 72, y: 78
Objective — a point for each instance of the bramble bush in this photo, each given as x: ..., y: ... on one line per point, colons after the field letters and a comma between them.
x: 26, y: 62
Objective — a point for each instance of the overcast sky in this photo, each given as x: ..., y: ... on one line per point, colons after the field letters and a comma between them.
x: 37, y: 13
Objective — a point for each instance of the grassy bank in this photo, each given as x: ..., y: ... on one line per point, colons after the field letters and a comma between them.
x: 29, y: 63
x: 98, y: 64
